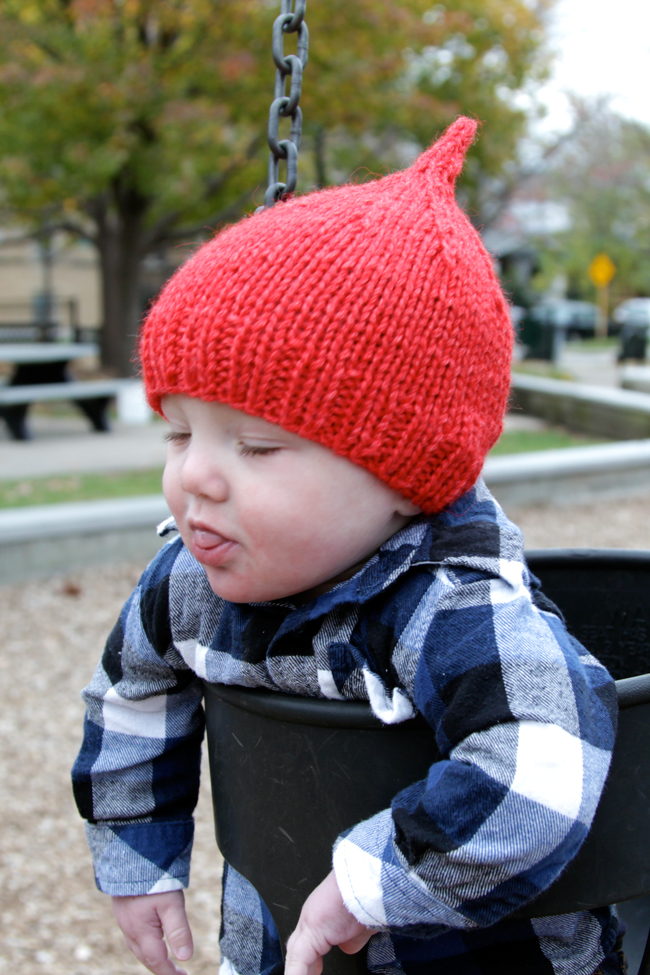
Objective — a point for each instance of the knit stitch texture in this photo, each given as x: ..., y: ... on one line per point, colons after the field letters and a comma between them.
x: 366, y: 317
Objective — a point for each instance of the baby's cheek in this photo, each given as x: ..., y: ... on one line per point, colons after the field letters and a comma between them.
x: 169, y: 484
x: 176, y: 503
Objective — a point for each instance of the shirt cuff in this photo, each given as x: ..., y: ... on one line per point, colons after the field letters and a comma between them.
x: 141, y: 858
x: 380, y: 889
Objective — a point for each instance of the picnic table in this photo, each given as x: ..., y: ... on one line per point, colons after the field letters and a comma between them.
x: 41, y: 374
x: 43, y: 362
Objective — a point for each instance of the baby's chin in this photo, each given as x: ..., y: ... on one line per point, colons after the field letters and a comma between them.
x: 235, y: 589
x: 296, y: 587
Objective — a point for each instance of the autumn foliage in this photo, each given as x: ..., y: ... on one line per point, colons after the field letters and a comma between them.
x: 140, y: 123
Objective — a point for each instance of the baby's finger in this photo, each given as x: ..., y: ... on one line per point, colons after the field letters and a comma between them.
x: 151, y: 951
x: 304, y: 955
x: 177, y: 930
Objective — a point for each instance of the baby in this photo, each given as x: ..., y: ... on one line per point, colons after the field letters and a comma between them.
x: 334, y: 371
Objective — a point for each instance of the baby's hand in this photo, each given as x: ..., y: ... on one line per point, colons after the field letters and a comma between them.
x: 145, y: 922
x: 324, y: 921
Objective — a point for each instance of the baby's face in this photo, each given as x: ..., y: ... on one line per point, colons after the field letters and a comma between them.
x: 267, y: 513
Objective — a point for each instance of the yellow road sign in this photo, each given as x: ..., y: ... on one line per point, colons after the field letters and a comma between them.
x: 601, y: 270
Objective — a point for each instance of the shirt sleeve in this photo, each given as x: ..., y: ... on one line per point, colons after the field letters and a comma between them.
x: 136, y: 778
x: 525, y: 721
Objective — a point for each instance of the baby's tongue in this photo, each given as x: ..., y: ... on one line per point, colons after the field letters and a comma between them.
x: 205, y: 538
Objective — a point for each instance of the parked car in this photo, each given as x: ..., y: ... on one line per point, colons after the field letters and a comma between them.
x: 634, y: 312
x: 545, y: 326
x: 574, y: 317
x: 633, y: 318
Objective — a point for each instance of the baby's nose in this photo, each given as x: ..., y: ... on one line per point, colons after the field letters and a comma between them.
x: 203, y: 476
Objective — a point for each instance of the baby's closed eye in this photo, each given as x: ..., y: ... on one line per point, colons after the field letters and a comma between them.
x: 176, y: 436
x: 248, y: 449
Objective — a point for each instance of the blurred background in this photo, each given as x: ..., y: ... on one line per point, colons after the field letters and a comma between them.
x: 132, y: 130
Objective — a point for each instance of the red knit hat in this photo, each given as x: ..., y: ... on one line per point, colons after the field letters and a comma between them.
x: 367, y: 318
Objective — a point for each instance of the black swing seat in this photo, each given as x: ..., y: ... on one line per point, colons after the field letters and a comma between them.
x: 289, y: 774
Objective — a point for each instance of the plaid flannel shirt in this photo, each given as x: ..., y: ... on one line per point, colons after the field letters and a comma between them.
x: 445, y: 619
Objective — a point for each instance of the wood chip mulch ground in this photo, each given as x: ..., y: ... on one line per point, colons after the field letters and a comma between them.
x: 52, y: 918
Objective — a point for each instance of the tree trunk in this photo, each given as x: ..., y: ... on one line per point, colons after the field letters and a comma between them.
x: 319, y: 156
x: 119, y: 242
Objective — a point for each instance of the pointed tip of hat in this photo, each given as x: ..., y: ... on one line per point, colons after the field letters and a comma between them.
x: 444, y: 160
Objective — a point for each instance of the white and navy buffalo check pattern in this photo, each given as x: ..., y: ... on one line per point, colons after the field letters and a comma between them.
x: 445, y: 619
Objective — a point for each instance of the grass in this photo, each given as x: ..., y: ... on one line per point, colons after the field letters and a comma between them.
x: 539, y: 367
x: 520, y: 441
x: 78, y: 487
x: 594, y: 344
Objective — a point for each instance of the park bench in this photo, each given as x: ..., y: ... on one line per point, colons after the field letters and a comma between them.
x: 91, y: 396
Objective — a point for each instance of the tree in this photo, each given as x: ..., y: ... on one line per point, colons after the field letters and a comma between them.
x: 138, y: 124
x: 601, y: 175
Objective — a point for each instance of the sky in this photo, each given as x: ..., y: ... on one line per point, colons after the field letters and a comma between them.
x: 603, y: 47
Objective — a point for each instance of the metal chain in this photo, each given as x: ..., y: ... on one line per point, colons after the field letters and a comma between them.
x: 286, y: 106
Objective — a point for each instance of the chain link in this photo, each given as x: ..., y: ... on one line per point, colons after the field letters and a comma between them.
x: 290, y: 21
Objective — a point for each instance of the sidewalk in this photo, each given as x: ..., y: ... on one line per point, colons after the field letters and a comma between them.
x: 64, y: 445
x: 596, y: 366
x: 63, y: 537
